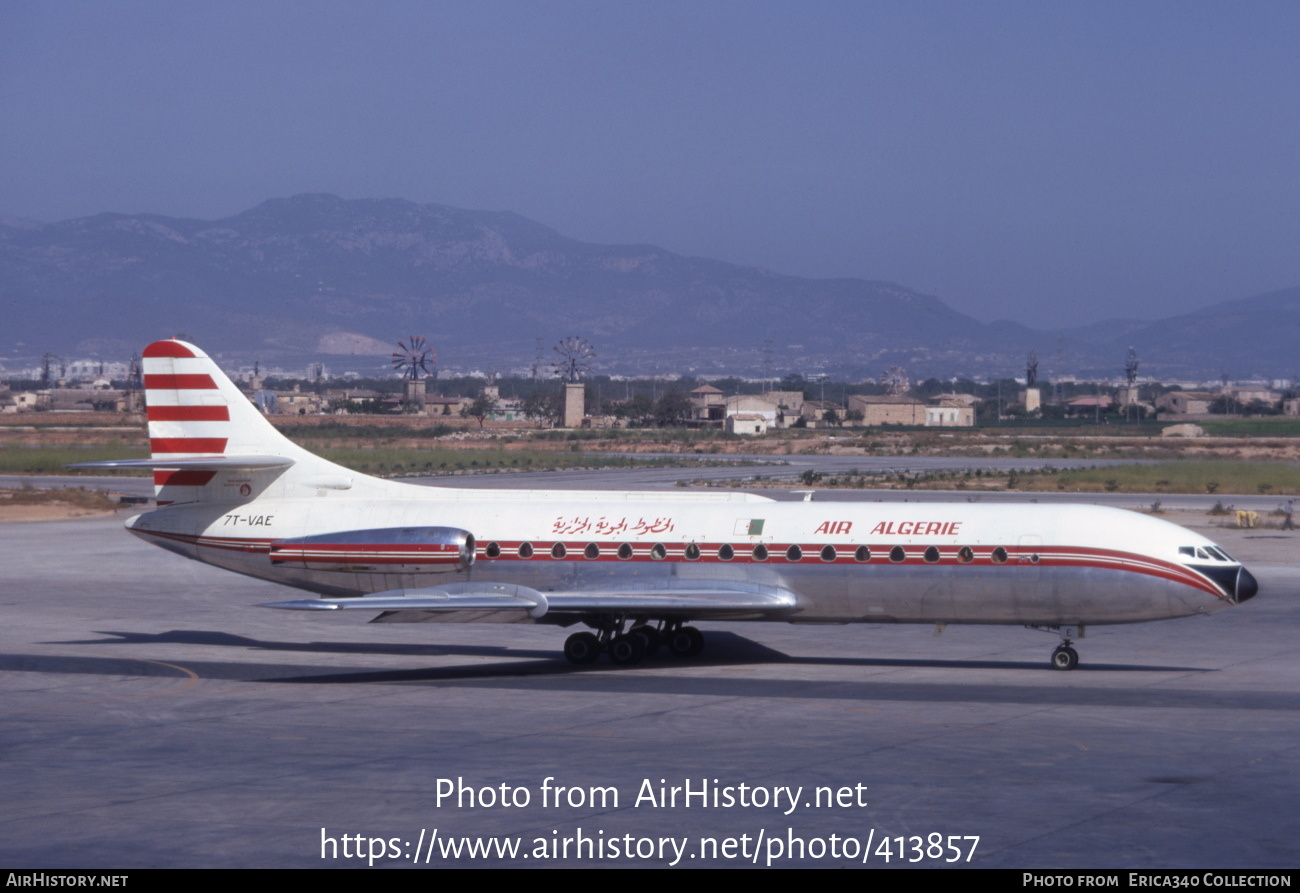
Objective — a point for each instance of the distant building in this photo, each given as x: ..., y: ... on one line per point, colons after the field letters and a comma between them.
x: 950, y: 415
x: 750, y: 423
x: 747, y: 404
x: 886, y: 410
x: 1186, y: 402
x: 710, y: 403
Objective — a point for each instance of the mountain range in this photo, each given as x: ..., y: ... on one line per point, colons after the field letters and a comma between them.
x: 320, y: 277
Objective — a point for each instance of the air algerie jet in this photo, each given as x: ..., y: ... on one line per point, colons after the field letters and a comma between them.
x: 634, y: 570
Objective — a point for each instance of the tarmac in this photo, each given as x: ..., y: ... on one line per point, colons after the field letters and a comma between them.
x: 151, y: 716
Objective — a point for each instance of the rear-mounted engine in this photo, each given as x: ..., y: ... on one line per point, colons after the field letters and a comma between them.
x: 424, y: 550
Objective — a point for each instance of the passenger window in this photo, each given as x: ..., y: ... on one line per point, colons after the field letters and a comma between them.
x: 625, y: 551
x: 725, y: 552
x: 897, y: 554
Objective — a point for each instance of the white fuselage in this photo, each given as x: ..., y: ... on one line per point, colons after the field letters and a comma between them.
x: 845, y: 561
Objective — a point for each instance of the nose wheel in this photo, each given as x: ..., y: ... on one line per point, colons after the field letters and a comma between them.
x: 1065, y: 657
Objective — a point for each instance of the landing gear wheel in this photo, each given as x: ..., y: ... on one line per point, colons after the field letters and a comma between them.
x: 649, y: 637
x: 582, y: 648
x: 686, y: 641
x: 628, y: 649
x: 1065, y: 658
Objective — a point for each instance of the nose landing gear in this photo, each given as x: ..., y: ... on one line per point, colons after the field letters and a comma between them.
x: 1065, y: 657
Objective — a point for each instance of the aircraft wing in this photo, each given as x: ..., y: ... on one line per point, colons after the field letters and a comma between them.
x: 698, y: 598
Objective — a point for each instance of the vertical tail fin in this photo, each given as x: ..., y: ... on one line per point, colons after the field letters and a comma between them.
x: 208, y: 443
x: 195, y: 414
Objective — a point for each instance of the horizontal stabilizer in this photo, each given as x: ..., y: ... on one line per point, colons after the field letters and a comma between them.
x: 196, y: 463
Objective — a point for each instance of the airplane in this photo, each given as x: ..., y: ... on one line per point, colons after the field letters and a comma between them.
x: 634, y: 570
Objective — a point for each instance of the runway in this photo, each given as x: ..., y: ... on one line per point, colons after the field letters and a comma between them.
x: 154, y: 717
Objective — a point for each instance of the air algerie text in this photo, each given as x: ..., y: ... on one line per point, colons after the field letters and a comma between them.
x: 916, y: 528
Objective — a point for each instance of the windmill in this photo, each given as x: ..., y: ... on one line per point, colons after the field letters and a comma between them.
x: 896, y: 381
x: 574, y: 352
x: 572, y: 366
x: 1033, y: 395
x: 1130, y: 376
x: 414, y: 360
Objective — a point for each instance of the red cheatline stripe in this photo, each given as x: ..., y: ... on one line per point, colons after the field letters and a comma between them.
x: 167, y: 349
x: 189, y: 414
x: 196, y: 382
x: 204, y: 445
x: 186, y: 478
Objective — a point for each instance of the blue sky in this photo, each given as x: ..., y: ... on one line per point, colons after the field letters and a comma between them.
x: 1053, y: 163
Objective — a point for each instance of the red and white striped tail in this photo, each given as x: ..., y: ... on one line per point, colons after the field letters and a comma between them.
x: 195, y: 412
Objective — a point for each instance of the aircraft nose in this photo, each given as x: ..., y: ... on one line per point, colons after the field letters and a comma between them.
x: 1246, y: 586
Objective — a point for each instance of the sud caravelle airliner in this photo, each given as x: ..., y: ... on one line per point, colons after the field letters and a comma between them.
x: 635, y: 569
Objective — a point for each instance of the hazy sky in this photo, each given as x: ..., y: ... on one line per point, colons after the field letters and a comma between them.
x: 1052, y: 162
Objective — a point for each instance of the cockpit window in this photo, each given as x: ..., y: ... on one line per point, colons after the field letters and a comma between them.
x: 1205, y: 553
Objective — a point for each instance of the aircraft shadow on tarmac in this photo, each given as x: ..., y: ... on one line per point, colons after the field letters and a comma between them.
x: 556, y: 676
x: 725, y: 649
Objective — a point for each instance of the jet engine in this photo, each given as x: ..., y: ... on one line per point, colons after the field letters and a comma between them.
x: 423, y: 550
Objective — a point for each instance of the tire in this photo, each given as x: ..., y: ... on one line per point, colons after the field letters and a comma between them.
x: 686, y: 641
x: 650, y: 638
x: 582, y: 648
x: 628, y: 649
x: 1065, y: 658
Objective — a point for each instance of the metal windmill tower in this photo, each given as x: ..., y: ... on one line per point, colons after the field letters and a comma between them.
x: 572, y: 366
x: 414, y: 360
x: 1130, y: 376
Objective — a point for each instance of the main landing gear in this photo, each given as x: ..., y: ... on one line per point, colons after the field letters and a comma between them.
x: 640, y: 642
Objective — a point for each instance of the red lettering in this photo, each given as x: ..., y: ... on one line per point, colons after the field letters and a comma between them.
x: 879, y: 528
x: 933, y: 527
